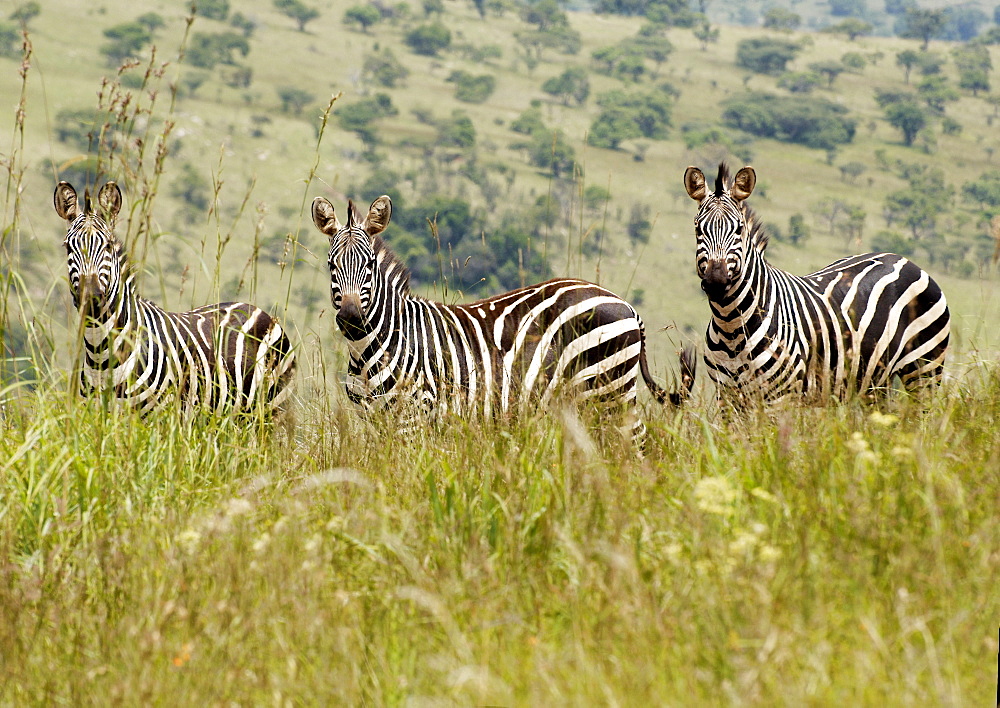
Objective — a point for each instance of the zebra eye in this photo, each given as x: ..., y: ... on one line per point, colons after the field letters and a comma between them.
x: 739, y: 230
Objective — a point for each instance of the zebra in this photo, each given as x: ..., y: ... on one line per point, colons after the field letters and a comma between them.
x: 849, y: 327
x: 491, y: 356
x: 232, y: 356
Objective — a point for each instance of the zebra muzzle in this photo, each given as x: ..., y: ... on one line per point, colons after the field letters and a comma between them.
x: 715, y: 278
x: 91, y: 293
x: 350, y: 318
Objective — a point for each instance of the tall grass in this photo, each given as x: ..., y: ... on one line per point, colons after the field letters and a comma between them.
x: 845, y: 554
x: 831, y: 555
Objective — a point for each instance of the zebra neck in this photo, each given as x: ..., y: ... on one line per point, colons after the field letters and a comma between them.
x: 749, y: 300
x: 119, y: 317
x: 389, y: 313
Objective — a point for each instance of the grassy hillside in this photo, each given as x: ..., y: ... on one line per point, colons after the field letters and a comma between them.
x: 798, y: 555
x: 241, y: 140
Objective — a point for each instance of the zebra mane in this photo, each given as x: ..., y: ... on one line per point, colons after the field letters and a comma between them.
x: 391, y: 264
x: 722, y: 180
x: 756, y: 229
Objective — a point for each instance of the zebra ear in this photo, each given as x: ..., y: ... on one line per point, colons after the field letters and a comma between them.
x: 110, y: 200
x: 378, y: 215
x: 694, y: 183
x: 65, y: 201
x: 325, y: 217
x: 744, y: 183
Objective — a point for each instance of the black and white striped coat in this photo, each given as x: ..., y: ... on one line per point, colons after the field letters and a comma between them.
x: 492, y: 356
x: 230, y: 356
x: 849, y: 327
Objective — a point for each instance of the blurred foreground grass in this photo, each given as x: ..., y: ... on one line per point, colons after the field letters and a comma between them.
x: 839, y: 555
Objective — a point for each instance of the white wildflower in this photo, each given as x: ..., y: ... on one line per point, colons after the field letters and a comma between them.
x: 716, y: 495
x: 886, y: 420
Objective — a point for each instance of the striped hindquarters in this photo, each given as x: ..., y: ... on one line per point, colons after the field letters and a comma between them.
x: 231, y: 356
x: 897, y: 317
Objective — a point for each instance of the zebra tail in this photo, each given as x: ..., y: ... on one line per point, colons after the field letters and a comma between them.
x: 688, y: 366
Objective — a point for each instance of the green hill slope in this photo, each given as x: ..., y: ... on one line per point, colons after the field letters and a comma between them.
x: 239, y: 140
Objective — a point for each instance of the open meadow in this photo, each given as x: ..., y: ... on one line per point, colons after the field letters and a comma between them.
x: 847, y: 554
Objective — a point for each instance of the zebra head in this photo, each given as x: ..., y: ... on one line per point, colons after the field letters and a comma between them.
x: 721, y: 226
x: 94, y: 255
x: 352, y: 259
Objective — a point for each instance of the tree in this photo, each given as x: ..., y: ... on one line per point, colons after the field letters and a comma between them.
x: 893, y: 242
x: 675, y: 13
x: 550, y: 150
x: 814, y: 122
x: 908, y: 117
x: 212, y: 9
x: 854, y: 61
x: 854, y: 226
x: 779, y: 18
x: 239, y: 77
x: 984, y: 191
x: 243, y: 23
x: 799, y: 81
x: 918, y: 206
x: 798, y: 230
x: 974, y: 66
x: 611, y: 128
x: 471, y: 88
x: 571, y: 84
x: 907, y: 59
x: 152, y: 21
x: 830, y: 70
x: 847, y: 8
x: 936, y: 92
x: 457, y: 131
x: 528, y: 122
x: 206, y: 50
x: 649, y: 110
x: 929, y: 63
x: 294, y: 99
x: 429, y: 39
x: 850, y: 171
x: 565, y: 40
x: 362, y: 15
x: 639, y: 227
x: 963, y: 22
x: 765, y: 55
x: 706, y: 35
x: 433, y: 7
x: 10, y: 40
x: 191, y: 188
x: 26, y: 12
x: 544, y: 14
x: 852, y: 27
x: 127, y: 40
x: 385, y: 69
x: 360, y: 117
x: 298, y: 11
x: 923, y: 25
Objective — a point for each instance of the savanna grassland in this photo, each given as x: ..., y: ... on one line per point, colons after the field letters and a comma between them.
x: 843, y: 555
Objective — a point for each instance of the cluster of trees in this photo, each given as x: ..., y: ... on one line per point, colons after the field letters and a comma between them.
x: 814, y: 122
x: 629, y: 114
x: 360, y: 117
x: 472, y: 88
x: 627, y: 59
x: 384, y: 69
x: 445, y: 237
x: 546, y: 148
